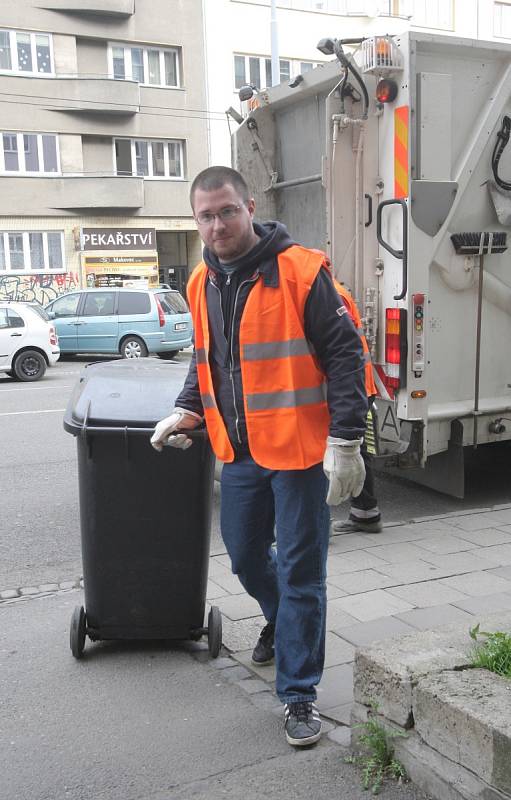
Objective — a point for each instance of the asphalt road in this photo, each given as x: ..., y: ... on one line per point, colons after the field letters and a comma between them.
x: 40, y: 529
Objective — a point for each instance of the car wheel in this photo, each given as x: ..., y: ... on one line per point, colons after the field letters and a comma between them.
x: 133, y: 347
x: 29, y: 365
x: 169, y: 354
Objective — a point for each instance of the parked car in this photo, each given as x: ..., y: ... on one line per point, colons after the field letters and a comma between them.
x: 132, y: 322
x: 28, y: 340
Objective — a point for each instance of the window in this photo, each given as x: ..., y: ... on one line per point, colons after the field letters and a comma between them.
x: 10, y: 319
x: 148, y: 158
x: 502, y: 20
x: 98, y: 304
x: 153, y: 66
x: 66, y: 306
x: 173, y: 303
x: 256, y: 70
x: 429, y: 13
x: 14, y: 319
x: 26, y: 53
x: 31, y: 250
x: 29, y: 153
x: 134, y: 303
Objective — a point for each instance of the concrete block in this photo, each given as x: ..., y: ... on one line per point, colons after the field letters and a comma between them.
x: 239, y: 606
x: 425, y: 619
x: 341, y: 736
x: 457, y: 563
x: 416, y: 571
x: 476, y: 584
x: 27, y: 591
x: 377, y: 629
x: 371, y: 605
x: 338, y: 651
x: 445, y: 544
x: 9, y: 594
x: 336, y: 687
x: 48, y: 587
x: 466, y: 716
x: 474, y: 521
x: 253, y: 686
x: 241, y: 634
x: 363, y: 581
x: 266, y: 673
x: 427, y: 593
x: 500, y: 554
x: 398, y: 552
x: 341, y: 714
x: 387, y: 672
x: 486, y: 537
x: 487, y: 604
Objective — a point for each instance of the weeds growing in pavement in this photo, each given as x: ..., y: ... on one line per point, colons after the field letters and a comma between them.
x: 378, y: 761
x: 494, y: 653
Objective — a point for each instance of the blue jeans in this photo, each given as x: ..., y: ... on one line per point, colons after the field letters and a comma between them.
x: 288, y: 582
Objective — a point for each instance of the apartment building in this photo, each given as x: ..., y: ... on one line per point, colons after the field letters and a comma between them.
x: 238, y: 41
x: 102, y: 124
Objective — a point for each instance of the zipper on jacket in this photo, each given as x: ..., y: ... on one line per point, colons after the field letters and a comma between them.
x: 243, y: 283
x: 231, y: 351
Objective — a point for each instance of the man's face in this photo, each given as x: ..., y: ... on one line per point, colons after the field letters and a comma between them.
x: 229, y: 238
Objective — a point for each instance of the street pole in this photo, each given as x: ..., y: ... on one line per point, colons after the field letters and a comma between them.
x: 275, y: 65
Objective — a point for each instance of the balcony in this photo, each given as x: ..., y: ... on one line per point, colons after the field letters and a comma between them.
x: 81, y: 94
x: 104, y: 8
x: 23, y: 196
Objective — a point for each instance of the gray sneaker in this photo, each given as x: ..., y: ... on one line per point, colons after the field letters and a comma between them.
x: 358, y: 526
x: 302, y: 723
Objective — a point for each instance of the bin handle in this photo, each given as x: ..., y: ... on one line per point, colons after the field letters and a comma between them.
x: 98, y: 429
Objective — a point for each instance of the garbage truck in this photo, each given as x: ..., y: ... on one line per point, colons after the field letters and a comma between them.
x: 391, y: 157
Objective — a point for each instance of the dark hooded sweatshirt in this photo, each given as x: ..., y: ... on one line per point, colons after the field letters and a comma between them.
x: 328, y: 328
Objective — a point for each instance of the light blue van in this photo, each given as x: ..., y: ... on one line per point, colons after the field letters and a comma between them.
x: 132, y: 322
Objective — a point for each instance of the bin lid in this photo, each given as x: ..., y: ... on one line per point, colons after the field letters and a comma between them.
x: 133, y: 393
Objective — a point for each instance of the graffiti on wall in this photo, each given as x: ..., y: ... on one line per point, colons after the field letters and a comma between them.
x: 42, y: 288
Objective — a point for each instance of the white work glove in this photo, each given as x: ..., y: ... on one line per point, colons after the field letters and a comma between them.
x: 344, y: 467
x: 179, y: 420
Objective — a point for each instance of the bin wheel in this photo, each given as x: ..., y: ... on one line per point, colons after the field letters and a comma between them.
x: 214, y: 631
x: 77, y: 631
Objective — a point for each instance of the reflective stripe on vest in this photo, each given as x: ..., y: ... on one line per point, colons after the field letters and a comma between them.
x: 267, y: 350
x: 289, y: 399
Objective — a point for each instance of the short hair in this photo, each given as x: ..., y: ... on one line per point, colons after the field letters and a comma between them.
x: 215, y: 177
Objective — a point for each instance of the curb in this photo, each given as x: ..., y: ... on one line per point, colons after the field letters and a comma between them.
x: 11, y: 595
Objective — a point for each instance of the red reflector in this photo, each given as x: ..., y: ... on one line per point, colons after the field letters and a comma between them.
x: 386, y: 91
x: 53, y: 337
x: 395, y: 346
x: 161, y: 315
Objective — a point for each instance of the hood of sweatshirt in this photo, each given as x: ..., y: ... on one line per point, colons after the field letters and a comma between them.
x: 273, y: 239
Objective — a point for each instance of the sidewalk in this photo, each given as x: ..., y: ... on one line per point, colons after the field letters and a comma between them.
x: 153, y: 720
x: 414, y: 576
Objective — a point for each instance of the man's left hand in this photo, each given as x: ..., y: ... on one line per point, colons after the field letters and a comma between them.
x: 344, y: 468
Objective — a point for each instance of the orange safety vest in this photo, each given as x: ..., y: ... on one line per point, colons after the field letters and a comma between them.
x: 284, y: 387
x: 355, y: 316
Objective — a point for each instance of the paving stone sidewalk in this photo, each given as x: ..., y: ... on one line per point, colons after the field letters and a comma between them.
x: 414, y: 576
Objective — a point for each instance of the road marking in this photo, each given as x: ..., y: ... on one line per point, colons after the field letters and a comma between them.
x: 35, y: 389
x: 38, y: 411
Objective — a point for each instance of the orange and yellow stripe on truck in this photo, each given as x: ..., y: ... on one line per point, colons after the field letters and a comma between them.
x: 401, y: 116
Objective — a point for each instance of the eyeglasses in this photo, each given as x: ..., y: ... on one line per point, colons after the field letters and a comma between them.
x: 225, y: 214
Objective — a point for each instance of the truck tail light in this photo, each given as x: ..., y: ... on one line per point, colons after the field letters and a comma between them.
x: 395, y: 347
x: 161, y: 315
x: 54, y: 339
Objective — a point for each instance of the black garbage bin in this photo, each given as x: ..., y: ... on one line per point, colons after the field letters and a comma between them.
x: 145, y: 516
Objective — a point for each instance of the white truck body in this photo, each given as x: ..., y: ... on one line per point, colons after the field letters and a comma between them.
x: 319, y: 167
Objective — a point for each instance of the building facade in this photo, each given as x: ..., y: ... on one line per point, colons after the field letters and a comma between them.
x: 238, y: 41
x: 102, y: 123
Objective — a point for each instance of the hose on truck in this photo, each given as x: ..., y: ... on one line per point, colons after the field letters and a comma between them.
x: 500, y: 146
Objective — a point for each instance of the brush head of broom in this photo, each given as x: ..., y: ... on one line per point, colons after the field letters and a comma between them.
x: 480, y: 243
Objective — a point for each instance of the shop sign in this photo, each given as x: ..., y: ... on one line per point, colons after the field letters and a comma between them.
x: 118, y: 239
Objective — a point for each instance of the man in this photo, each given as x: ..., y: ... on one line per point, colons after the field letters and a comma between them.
x: 364, y: 514
x: 278, y: 375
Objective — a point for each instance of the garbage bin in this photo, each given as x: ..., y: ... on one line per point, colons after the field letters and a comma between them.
x: 145, y: 517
